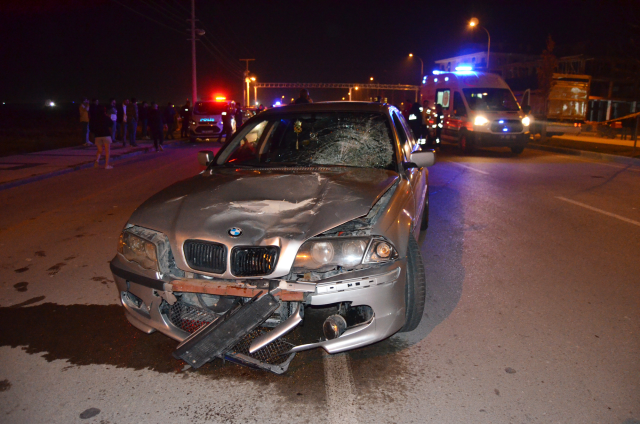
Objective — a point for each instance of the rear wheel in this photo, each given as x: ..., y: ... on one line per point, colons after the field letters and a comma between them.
x: 415, y: 287
x: 465, y: 143
x: 516, y: 150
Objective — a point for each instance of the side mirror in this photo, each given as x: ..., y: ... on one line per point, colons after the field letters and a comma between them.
x: 423, y: 159
x: 205, y: 157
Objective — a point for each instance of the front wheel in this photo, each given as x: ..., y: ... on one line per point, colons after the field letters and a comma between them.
x: 516, y: 150
x: 415, y: 287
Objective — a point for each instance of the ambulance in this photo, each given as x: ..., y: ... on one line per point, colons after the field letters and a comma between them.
x: 478, y: 110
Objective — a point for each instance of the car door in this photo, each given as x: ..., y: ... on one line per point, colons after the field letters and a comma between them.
x: 417, y: 176
x: 457, y: 118
x: 443, y: 97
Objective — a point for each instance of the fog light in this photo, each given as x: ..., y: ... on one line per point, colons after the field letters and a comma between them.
x: 334, y: 326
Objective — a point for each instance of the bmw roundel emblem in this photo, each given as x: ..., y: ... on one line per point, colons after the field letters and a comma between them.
x: 235, y: 232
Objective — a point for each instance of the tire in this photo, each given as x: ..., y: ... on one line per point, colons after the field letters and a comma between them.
x: 465, y: 143
x: 516, y: 150
x: 424, y: 222
x: 192, y: 139
x: 415, y: 287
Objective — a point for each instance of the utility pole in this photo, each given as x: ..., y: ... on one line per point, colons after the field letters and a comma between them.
x: 245, y: 91
x: 194, y: 87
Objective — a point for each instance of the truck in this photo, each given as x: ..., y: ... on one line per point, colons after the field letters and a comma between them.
x: 478, y: 110
x: 565, y: 108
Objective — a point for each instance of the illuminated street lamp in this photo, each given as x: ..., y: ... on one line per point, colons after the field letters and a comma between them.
x: 475, y: 23
x: 421, y: 64
x: 371, y: 79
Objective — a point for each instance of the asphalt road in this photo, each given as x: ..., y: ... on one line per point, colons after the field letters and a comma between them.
x: 533, y: 310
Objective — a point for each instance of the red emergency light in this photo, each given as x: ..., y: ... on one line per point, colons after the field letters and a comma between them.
x: 220, y: 98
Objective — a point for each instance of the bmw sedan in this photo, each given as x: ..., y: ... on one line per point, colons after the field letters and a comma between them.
x: 308, y: 210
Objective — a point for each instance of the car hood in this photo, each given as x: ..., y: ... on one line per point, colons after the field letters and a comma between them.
x: 268, y: 205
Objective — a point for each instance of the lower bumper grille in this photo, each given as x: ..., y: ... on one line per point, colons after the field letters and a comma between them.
x: 253, y: 261
x: 188, y: 317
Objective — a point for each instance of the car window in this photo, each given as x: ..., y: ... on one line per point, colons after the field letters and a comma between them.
x: 459, y: 108
x: 359, y: 139
x: 442, y: 98
x: 402, y: 135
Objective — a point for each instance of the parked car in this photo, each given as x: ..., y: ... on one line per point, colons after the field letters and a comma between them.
x: 312, y: 207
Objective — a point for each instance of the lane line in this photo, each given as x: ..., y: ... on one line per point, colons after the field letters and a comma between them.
x: 468, y: 167
x: 591, y: 208
x: 340, y: 389
x: 625, y: 167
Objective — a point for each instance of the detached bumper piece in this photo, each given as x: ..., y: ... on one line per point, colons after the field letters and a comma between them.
x: 230, y: 335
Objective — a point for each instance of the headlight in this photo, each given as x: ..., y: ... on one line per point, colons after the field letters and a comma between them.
x: 480, y: 120
x: 343, y: 251
x: 526, y: 121
x: 138, y: 250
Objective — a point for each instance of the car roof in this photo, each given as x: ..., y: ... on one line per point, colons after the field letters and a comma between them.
x: 330, y: 107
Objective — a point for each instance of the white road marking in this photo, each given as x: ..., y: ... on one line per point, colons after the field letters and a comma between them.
x: 626, y: 167
x: 468, y: 167
x: 340, y: 389
x: 591, y: 208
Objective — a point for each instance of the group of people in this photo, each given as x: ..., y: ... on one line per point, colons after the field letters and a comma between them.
x: 419, y: 118
x: 112, y: 122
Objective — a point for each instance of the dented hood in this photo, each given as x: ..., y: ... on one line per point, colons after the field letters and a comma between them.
x: 271, y: 207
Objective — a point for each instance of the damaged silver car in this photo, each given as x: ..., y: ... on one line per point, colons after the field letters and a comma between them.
x: 309, y: 211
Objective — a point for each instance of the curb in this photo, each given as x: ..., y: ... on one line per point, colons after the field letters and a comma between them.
x: 583, y: 153
x: 84, y: 165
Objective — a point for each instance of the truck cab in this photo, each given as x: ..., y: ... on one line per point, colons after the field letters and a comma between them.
x: 478, y: 110
x: 207, y: 118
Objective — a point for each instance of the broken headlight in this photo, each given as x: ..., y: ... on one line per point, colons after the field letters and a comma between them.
x: 136, y: 249
x: 344, y: 251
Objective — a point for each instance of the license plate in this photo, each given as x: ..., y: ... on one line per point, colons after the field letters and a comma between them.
x: 507, y: 137
x: 207, y: 132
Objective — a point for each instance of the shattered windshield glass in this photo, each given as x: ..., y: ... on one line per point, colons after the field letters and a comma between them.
x: 358, y: 139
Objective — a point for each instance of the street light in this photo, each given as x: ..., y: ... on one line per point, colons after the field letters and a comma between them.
x: 371, y: 79
x: 421, y: 65
x: 474, y: 22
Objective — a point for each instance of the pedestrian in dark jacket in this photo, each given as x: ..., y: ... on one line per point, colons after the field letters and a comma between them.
x: 169, y: 118
x: 132, y: 121
x: 227, y: 130
x: 185, y: 114
x: 143, y: 114
x: 156, y: 125
x: 238, y: 116
x: 415, y: 120
x: 93, y: 114
x: 304, y: 97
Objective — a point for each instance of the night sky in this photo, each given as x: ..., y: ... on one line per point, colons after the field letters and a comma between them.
x: 63, y: 50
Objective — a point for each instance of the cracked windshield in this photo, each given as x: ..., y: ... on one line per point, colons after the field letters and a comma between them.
x: 339, y: 139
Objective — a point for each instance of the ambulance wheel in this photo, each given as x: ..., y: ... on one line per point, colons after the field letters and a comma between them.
x: 465, y: 143
x: 516, y: 150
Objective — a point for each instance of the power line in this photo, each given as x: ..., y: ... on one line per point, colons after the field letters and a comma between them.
x: 167, y: 14
x: 148, y: 18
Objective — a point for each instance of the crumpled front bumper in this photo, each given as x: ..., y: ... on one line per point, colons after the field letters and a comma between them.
x: 381, y: 288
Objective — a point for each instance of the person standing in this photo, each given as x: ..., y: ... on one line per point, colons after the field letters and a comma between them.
x: 426, y: 117
x: 304, y: 97
x: 156, y: 125
x: 185, y: 114
x: 112, y: 112
x: 415, y: 120
x: 84, y: 122
x: 102, y: 133
x: 439, y: 119
x: 405, y: 110
x: 227, y: 131
x: 143, y: 114
x: 169, y: 118
x: 238, y: 116
x: 93, y: 115
x: 132, y: 121
x: 123, y: 122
